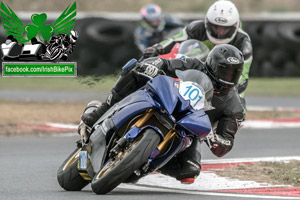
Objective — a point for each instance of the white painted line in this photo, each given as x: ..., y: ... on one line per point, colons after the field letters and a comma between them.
x: 193, y: 192
x: 58, y: 125
x: 206, y: 181
x: 248, y: 124
x: 263, y: 124
x: 65, y: 134
x: 270, y: 108
x: 239, y: 160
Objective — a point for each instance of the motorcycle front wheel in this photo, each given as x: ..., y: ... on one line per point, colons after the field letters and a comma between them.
x: 68, y: 176
x: 56, y: 53
x: 118, y: 169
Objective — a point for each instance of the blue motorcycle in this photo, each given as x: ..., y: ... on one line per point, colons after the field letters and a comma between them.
x: 141, y: 133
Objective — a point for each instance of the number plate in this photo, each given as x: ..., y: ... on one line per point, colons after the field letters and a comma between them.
x: 191, y: 91
x: 83, y: 159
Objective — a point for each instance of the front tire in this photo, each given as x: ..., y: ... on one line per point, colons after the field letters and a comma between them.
x: 56, y: 53
x: 125, y: 163
x: 68, y: 176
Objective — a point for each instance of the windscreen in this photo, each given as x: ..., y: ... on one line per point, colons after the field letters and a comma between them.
x: 193, y: 49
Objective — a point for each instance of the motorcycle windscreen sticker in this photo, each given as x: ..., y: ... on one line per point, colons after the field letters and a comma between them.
x: 191, y: 91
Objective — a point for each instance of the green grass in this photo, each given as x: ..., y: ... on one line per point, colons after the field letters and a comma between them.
x: 58, y: 84
x: 274, y: 86
x: 257, y: 86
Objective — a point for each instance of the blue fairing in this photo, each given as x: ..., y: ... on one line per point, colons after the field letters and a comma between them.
x: 161, y: 93
x: 165, y: 90
x: 197, y: 123
x: 132, y: 105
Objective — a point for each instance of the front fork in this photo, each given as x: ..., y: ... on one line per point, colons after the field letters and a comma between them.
x: 136, y: 128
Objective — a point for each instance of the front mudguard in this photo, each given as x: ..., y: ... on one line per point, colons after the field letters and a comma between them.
x: 100, y: 147
x: 135, y: 131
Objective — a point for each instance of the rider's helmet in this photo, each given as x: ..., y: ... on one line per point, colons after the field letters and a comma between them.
x: 152, y: 18
x: 222, y: 21
x: 73, y: 36
x: 224, y: 66
x: 10, y: 39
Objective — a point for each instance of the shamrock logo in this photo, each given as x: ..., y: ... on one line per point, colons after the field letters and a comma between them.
x: 44, y: 30
x: 15, y: 27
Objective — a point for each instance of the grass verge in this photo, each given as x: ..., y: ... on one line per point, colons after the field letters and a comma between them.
x: 257, y: 86
x: 274, y: 87
x: 103, y: 83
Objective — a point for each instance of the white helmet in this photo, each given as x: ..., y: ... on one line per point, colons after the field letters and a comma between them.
x: 221, y: 22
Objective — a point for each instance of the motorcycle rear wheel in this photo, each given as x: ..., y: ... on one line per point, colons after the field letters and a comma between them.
x: 68, y: 176
x: 125, y: 163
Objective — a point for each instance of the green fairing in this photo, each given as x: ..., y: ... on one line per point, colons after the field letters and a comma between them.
x: 165, y: 41
x: 241, y: 24
x: 209, y: 44
x: 179, y: 35
x: 246, y: 70
x: 245, y: 75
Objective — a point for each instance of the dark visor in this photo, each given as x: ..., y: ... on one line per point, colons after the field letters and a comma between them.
x: 220, y: 32
x: 229, y: 75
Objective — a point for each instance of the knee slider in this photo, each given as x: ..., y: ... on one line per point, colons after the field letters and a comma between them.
x: 91, y: 106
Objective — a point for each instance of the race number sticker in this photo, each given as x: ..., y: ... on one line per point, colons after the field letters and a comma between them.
x: 190, y: 91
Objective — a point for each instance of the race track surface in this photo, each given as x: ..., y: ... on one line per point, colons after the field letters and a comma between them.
x: 29, y: 164
x: 25, y: 95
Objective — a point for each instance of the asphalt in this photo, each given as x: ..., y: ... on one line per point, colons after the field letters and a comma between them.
x: 275, y: 101
x: 27, y: 95
x: 49, y: 96
x: 29, y: 164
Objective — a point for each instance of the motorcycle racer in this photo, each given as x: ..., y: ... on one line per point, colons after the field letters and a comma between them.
x: 224, y: 66
x: 221, y: 25
x: 64, y: 42
x: 153, y: 26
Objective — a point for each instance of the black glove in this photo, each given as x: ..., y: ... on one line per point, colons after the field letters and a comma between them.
x: 152, y: 51
x: 218, y: 144
x: 151, y: 67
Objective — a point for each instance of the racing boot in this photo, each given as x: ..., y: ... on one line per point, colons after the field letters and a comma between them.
x: 190, y: 163
x: 186, y: 166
